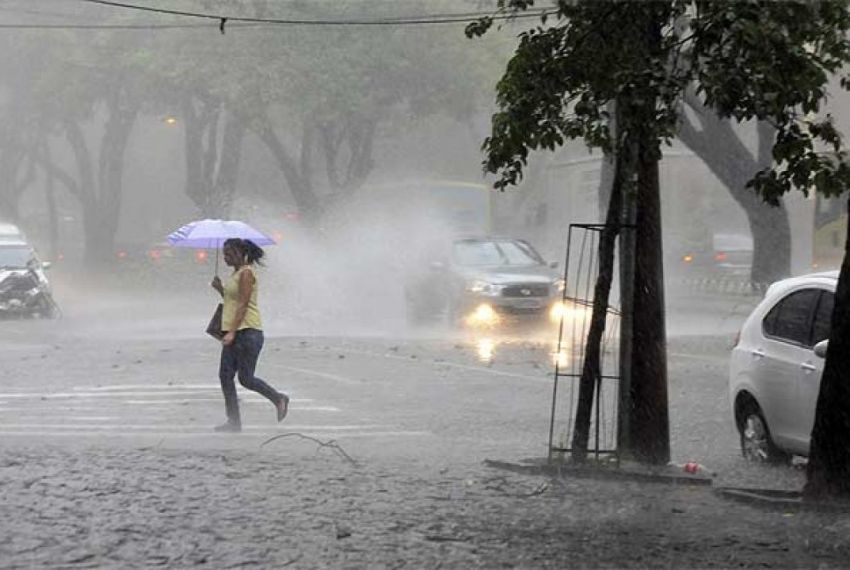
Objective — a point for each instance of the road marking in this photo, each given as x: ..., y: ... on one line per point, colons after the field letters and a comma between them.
x: 106, y: 395
x: 325, y: 375
x: 184, y: 427
x: 206, y: 433
x: 480, y: 369
x: 93, y: 418
x: 143, y: 386
x: 242, y: 401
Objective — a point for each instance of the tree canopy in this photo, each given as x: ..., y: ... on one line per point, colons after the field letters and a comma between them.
x: 319, y: 98
x: 762, y: 60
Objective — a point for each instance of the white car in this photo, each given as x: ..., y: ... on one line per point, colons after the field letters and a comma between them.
x: 776, y: 367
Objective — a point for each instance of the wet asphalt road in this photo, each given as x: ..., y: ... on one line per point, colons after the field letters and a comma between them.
x: 114, y: 422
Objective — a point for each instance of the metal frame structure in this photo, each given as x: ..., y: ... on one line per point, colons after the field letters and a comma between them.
x: 579, y: 283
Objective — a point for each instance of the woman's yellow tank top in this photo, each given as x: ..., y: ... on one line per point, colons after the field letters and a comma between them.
x: 252, y: 318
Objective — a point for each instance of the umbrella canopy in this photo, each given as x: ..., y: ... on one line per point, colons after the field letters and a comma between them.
x: 211, y: 234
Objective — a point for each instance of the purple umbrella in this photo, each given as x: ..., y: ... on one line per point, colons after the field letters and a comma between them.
x: 211, y: 234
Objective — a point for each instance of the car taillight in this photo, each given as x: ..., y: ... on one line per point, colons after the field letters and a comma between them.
x: 720, y: 256
x: 154, y: 254
x: 201, y: 256
x: 687, y: 258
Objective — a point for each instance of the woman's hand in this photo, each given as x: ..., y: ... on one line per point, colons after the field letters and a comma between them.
x: 216, y: 284
x: 228, y: 339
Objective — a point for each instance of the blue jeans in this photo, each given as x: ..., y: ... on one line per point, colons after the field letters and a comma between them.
x: 240, y: 357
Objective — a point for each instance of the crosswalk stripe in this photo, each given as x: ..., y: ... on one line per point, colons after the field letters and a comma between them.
x: 204, y: 433
x: 102, y: 395
x: 142, y: 427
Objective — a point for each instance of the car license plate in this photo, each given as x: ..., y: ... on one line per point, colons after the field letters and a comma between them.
x: 528, y: 304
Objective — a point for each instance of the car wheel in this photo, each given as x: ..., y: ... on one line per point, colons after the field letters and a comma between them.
x: 756, y: 443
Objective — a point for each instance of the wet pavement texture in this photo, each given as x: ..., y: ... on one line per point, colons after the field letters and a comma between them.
x: 107, y: 459
x: 288, y: 507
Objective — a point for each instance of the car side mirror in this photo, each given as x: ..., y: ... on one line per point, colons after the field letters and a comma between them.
x: 553, y: 264
x: 820, y: 348
x: 46, y: 264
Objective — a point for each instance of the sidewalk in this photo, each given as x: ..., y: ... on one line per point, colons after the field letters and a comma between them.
x: 289, y: 505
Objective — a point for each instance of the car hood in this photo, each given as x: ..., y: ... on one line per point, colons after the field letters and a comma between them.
x: 8, y: 271
x: 501, y: 275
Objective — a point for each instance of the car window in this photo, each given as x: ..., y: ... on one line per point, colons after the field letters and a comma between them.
x: 823, y: 316
x: 15, y: 256
x: 474, y: 252
x: 517, y: 253
x: 769, y: 323
x: 790, y: 319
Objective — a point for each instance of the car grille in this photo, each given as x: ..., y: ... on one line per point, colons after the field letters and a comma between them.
x: 520, y: 311
x: 528, y: 290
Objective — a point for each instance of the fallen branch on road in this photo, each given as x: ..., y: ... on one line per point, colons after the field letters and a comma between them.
x: 332, y: 444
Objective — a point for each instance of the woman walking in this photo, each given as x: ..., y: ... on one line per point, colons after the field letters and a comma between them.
x: 243, y: 327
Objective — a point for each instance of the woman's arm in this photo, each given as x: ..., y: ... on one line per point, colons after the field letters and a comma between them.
x: 216, y: 284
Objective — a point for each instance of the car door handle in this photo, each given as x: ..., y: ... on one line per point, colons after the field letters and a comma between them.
x: 758, y: 353
x: 808, y: 367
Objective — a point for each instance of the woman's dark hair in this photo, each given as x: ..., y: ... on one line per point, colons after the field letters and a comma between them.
x: 249, y: 250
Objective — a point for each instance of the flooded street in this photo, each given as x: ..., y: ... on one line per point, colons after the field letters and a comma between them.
x: 109, y: 458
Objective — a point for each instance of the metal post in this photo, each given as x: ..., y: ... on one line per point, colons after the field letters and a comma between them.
x: 627, y: 293
x: 558, y: 347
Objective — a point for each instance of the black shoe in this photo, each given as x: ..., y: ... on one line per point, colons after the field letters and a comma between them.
x: 282, y: 407
x: 229, y: 427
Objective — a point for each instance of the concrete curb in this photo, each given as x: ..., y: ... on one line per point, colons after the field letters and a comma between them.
x: 628, y: 471
x: 781, y: 499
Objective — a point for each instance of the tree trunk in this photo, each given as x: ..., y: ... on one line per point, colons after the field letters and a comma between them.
x: 650, y: 430
x: 100, y: 187
x: 212, y: 170
x: 726, y: 155
x: 52, y: 213
x: 12, y: 161
x: 227, y: 175
x: 99, y: 237
x: 298, y: 181
x: 828, y: 471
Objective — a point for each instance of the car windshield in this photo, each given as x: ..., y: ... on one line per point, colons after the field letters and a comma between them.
x: 481, y: 253
x: 15, y: 256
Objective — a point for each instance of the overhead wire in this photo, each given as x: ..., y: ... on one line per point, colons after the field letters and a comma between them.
x: 222, y: 19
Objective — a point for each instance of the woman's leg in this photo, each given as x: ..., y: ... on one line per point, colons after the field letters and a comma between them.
x: 226, y: 373
x: 249, y: 343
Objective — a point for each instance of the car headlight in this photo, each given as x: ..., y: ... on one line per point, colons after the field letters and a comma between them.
x: 559, y: 285
x: 483, y: 287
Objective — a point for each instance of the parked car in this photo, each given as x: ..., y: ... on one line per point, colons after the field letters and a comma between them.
x: 776, y: 366
x: 24, y: 288
x: 483, y: 282
x: 727, y: 254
